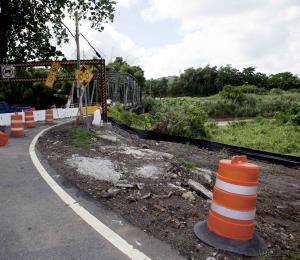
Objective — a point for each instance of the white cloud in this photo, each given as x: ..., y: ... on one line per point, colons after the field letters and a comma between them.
x: 125, y: 3
x: 109, y: 42
x: 260, y: 33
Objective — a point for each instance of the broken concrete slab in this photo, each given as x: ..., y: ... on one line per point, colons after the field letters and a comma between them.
x: 188, y: 196
x: 200, y: 189
x: 99, y: 168
x: 205, y: 175
x: 176, y: 187
x: 144, y: 153
x: 149, y: 171
x: 110, y: 138
x: 125, y: 185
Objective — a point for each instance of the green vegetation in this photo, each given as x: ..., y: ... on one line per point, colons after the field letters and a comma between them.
x: 261, y: 134
x: 81, y: 138
x: 209, y: 80
x: 186, y: 121
x: 35, y: 94
x: 232, y: 102
x: 25, y: 34
x: 276, y: 128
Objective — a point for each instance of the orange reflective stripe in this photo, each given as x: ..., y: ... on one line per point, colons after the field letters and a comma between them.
x: 229, y: 228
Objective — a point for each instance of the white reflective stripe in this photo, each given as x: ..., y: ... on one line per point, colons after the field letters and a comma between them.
x: 238, y: 189
x: 235, y: 214
x: 30, y: 121
x: 17, y: 129
x: 16, y: 121
x: 28, y: 116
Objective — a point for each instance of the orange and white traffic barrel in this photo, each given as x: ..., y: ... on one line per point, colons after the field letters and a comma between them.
x: 49, y: 116
x: 16, y: 125
x: 3, y: 139
x: 231, y: 218
x: 29, y: 118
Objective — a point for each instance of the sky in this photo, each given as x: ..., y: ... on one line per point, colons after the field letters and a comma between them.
x: 165, y: 37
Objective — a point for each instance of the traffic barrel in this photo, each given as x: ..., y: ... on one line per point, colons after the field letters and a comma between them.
x: 49, y: 116
x: 29, y: 118
x: 3, y: 139
x: 16, y: 125
x: 231, y: 218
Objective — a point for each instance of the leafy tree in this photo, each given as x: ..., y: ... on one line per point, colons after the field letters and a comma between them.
x: 252, y: 78
x: 284, y: 80
x: 123, y: 67
x: 27, y: 26
x: 228, y: 76
x: 157, y: 87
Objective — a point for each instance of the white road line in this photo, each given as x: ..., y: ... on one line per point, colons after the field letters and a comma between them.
x: 95, y: 223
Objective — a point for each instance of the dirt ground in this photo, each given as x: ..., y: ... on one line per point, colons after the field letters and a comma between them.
x: 151, y: 190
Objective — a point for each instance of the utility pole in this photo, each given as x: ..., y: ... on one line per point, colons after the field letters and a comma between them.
x: 78, y: 55
x: 80, y: 90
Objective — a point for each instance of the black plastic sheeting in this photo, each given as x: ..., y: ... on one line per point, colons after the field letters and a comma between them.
x: 287, y: 160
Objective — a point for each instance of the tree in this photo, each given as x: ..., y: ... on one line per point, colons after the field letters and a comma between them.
x: 250, y: 77
x: 28, y: 25
x: 228, y: 76
x: 284, y: 80
x: 123, y: 67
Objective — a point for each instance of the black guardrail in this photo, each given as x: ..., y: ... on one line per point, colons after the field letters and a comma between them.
x: 287, y: 160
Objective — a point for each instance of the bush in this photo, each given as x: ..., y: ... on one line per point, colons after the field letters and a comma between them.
x: 291, y: 116
x: 188, y: 122
x: 252, y: 89
x: 276, y: 91
x: 233, y: 93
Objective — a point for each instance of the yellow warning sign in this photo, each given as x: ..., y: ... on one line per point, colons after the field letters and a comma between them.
x: 52, y: 74
x: 84, y: 76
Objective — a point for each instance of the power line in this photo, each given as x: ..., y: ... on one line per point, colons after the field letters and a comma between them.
x: 68, y: 29
x: 97, y: 53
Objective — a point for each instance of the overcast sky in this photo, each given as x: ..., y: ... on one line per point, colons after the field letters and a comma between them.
x: 165, y: 37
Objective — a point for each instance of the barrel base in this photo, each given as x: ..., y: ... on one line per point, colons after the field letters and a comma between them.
x: 254, y: 247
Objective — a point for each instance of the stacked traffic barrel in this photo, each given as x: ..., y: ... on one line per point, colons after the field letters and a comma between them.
x: 231, y: 218
x: 29, y: 118
x: 16, y: 125
x: 49, y: 116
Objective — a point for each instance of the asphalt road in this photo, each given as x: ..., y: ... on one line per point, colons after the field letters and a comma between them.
x: 36, y: 224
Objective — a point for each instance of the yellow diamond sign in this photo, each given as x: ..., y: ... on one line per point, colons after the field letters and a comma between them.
x: 52, y: 74
x: 84, y: 76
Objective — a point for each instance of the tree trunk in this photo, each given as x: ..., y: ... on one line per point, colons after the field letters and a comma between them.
x: 5, y: 22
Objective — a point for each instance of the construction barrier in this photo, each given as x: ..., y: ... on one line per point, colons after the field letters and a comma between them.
x: 3, y: 139
x: 29, y: 118
x: 231, y: 223
x: 40, y: 115
x: 16, y: 127
x: 233, y: 207
x: 49, y: 116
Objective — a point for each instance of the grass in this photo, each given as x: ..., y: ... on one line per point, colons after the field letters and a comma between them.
x: 185, y: 164
x: 218, y: 107
x: 81, y: 138
x: 261, y: 134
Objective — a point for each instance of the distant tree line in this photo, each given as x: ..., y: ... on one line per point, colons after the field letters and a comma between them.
x: 192, y: 82
x: 211, y: 80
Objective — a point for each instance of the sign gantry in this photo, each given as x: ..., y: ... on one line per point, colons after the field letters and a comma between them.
x: 7, y: 75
